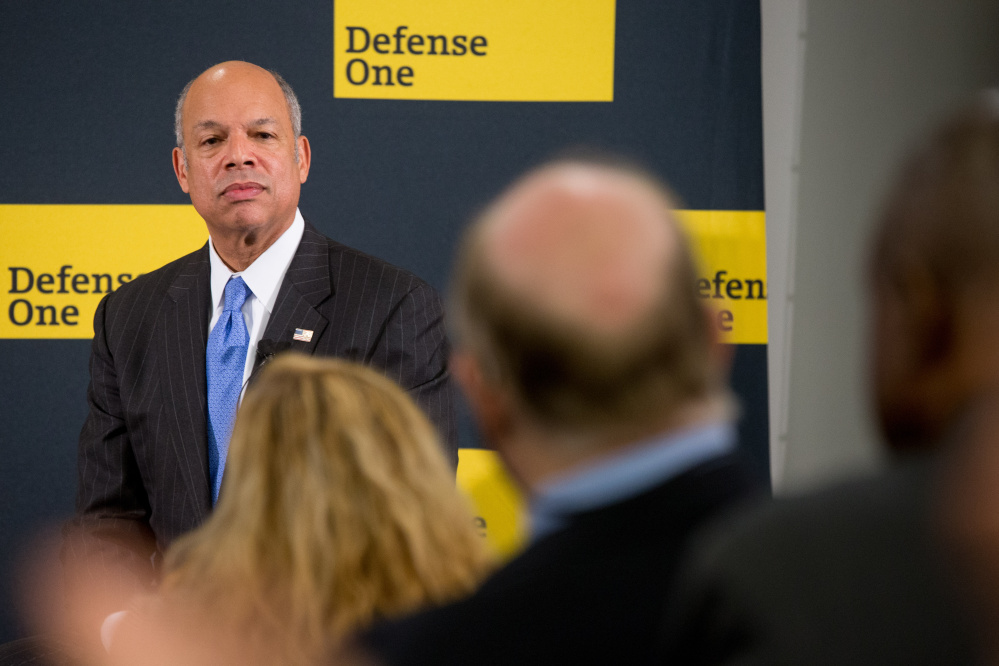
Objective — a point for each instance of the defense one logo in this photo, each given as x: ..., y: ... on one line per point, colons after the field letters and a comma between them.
x: 24, y: 283
x: 510, y: 51
x: 52, y: 281
x: 360, y: 40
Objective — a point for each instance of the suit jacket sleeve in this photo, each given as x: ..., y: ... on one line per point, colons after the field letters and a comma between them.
x: 414, y: 351
x: 110, y: 537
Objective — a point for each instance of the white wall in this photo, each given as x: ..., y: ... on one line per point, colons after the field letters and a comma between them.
x: 847, y: 85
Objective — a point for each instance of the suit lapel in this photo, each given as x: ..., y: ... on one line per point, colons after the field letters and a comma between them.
x: 184, y: 327
x: 306, y: 285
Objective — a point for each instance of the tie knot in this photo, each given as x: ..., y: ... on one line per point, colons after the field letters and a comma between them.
x: 236, y: 293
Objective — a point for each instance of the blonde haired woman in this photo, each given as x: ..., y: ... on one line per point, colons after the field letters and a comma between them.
x: 337, y: 509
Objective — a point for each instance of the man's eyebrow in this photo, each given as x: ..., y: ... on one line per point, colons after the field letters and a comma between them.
x: 214, y: 124
x: 208, y: 124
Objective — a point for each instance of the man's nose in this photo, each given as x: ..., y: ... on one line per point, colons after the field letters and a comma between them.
x: 240, y: 152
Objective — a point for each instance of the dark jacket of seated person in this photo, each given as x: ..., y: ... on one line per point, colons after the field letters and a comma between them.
x: 590, y: 364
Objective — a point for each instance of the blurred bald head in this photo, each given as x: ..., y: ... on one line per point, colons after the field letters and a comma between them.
x: 576, y: 292
x: 585, y: 244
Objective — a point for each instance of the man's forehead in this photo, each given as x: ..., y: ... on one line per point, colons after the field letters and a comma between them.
x: 235, y: 88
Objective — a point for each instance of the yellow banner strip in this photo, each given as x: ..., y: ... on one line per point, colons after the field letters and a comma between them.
x: 58, y: 261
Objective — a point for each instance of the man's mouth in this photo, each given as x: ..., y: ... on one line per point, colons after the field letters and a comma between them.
x: 242, y: 191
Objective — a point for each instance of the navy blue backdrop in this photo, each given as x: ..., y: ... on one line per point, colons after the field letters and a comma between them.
x: 87, y: 91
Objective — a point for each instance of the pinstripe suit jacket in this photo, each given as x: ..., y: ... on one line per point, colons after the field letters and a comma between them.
x: 143, y: 452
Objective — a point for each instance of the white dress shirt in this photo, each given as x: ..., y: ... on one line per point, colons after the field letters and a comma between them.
x: 264, y: 277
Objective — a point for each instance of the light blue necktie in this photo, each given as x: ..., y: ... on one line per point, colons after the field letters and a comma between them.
x: 225, y: 361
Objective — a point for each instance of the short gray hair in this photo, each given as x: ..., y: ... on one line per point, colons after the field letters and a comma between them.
x: 294, y: 111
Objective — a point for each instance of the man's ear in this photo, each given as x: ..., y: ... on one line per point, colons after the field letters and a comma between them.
x: 304, y: 158
x: 180, y: 168
x: 489, y: 404
x: 720, y: 353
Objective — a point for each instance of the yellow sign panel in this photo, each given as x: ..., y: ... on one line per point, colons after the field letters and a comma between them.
x: 731, y: 248
x: 58, y: 261
x: 510, y: 51
x: 499, y: 507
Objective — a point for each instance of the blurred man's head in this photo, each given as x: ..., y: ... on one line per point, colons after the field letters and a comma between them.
x: 935, y: 275
x: 576, y: 312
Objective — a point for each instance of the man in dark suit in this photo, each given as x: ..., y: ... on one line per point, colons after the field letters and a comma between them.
x: 174, y: 348
x: 866, y: 573
x: 591, y: 366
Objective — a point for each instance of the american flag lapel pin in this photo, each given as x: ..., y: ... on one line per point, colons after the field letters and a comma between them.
x: 302, y: 335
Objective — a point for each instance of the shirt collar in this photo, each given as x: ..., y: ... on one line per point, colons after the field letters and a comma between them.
x: 626, y: 474
x: 265, y: 274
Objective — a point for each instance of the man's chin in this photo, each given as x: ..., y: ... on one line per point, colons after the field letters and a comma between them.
x: 245, y: 217
x: 249, y: 217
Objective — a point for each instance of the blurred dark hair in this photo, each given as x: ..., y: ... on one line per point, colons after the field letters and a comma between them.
x: 943, y: 211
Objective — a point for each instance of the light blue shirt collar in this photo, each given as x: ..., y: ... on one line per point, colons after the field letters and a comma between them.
x: 626, y: 474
